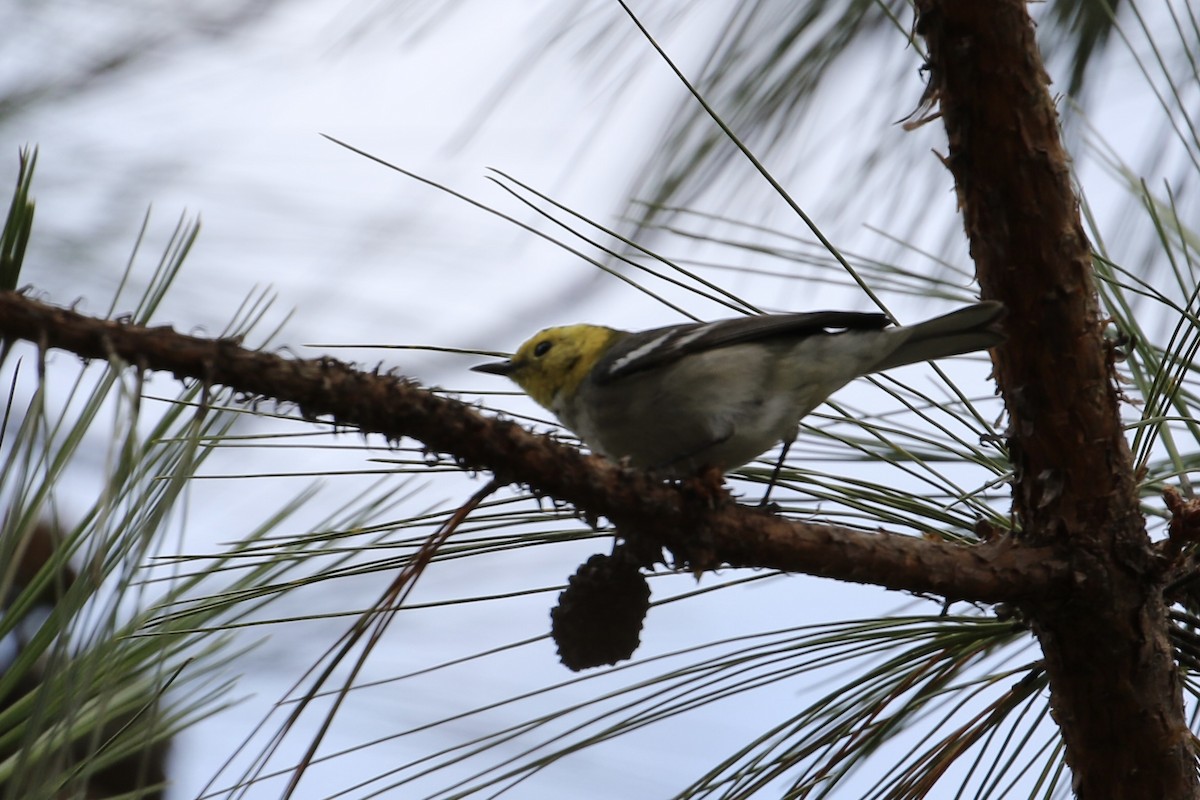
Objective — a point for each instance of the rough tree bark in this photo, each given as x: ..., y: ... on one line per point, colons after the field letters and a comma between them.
x: 1115, y: 688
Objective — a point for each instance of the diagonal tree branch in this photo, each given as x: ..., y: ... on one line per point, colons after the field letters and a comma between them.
x: 698, y: 523
x: 1115, y: 689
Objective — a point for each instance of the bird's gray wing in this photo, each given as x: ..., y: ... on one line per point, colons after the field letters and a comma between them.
x: 661, y: 346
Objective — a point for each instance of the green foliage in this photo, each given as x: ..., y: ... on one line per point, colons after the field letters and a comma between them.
x: 18, y: 224
x: 115, y: 648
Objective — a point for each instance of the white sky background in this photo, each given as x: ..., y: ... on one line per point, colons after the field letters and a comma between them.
x: 229, y: 129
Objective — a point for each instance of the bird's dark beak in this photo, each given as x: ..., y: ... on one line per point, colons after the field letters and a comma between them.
x: 495, y: 368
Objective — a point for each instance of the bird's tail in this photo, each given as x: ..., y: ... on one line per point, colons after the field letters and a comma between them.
x: 966, y: 330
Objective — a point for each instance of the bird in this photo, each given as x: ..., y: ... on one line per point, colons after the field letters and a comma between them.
x: 681, y: 399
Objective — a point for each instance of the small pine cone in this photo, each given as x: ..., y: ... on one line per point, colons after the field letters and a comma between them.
x: 599, y: 615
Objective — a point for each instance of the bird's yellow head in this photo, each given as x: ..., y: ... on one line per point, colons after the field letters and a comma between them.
x: 555, y: 360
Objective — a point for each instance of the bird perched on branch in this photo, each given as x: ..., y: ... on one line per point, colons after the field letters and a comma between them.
x: 682, y: 398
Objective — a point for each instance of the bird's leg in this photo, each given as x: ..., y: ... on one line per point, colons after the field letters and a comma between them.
x: 787, y: 445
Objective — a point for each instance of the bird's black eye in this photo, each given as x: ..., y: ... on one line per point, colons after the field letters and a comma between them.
x: 542, y: 348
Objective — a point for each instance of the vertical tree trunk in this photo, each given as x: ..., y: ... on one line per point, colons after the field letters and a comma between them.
x: 1115, y: 690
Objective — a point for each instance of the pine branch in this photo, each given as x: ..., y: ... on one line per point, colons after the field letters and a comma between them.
x: 1115, y: 688
x: 696, y: 521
